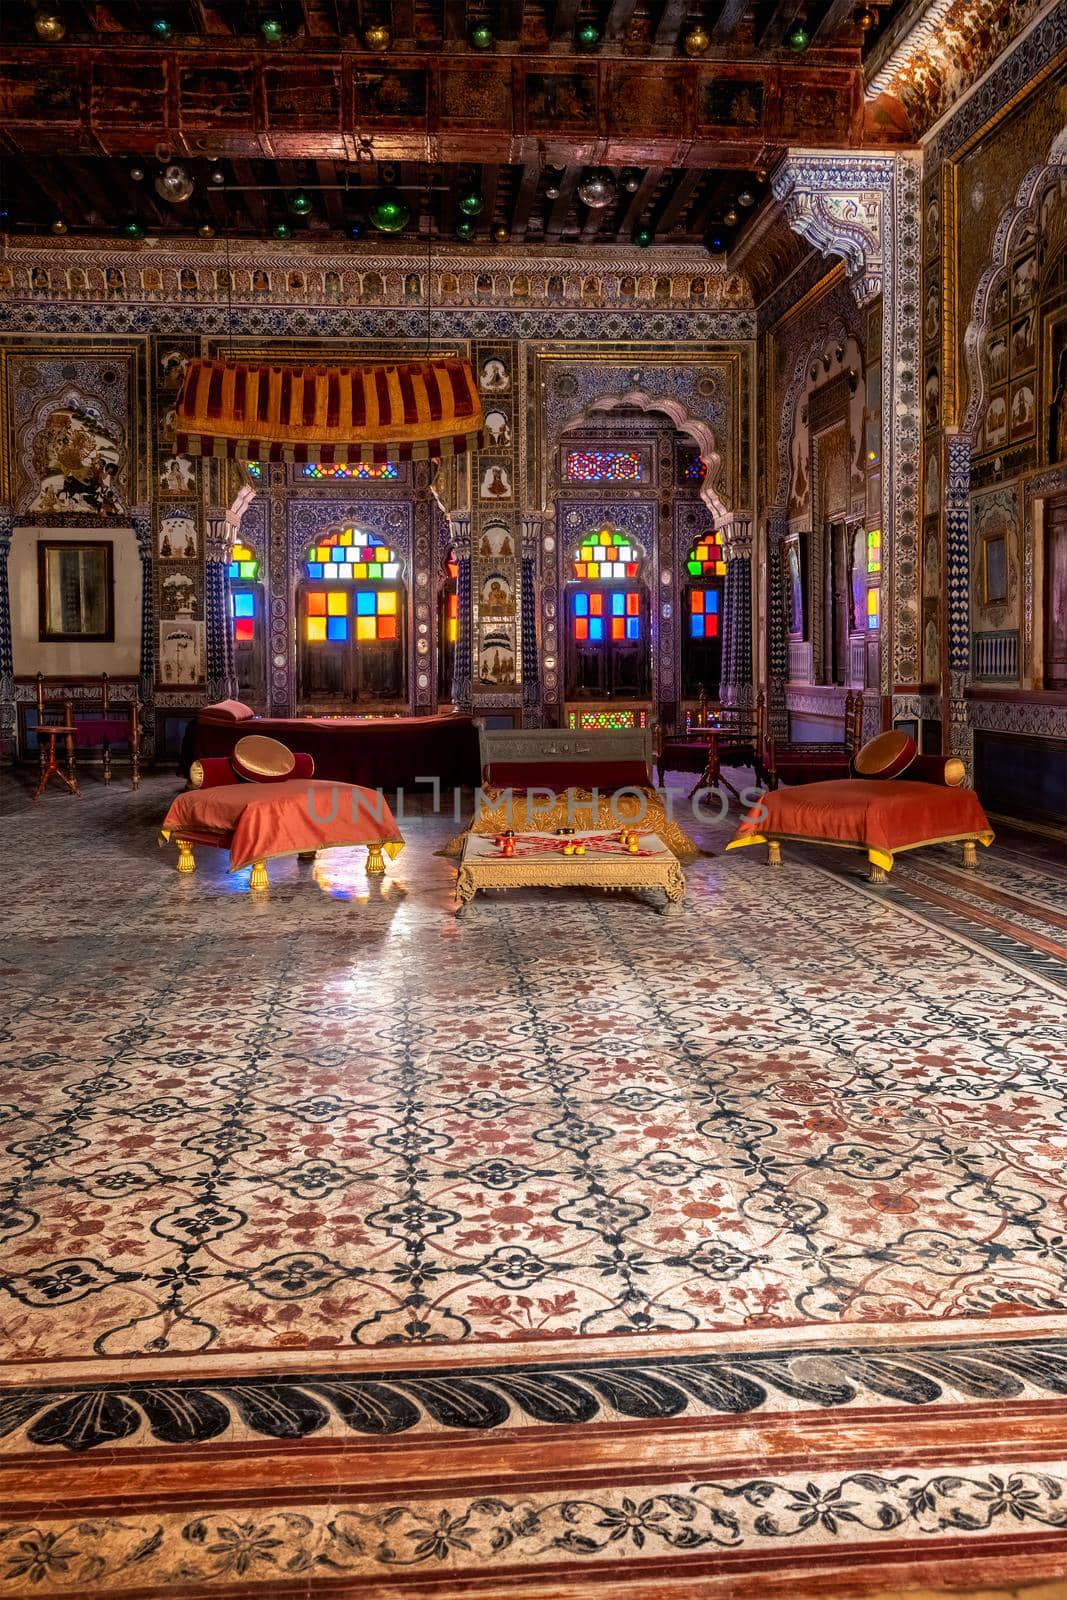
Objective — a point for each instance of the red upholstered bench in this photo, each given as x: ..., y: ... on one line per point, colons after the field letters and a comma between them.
x: 258, y: 822
x: 880, y: 815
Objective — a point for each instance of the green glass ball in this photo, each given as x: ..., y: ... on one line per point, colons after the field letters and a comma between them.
x: 162, y: 28
x: 133, y: 229
x: 482, y: 37
x: 300, y: 203
x: 799, y: 39
x: 588, y: 36
x: 390, y: 213
x: 464, y: 229
x: 271, y: 29
x: 471, y: 203
x: 643, y: 238
x: 281, y: 230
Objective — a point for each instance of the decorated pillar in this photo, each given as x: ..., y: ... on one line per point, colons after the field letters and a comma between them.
x: 221, y: 671
x: 281, y: 602
x: 960, y: 741
x: 423, y: 687
x: 8, y: 712
x: 531, y: 679
x: 866, y: 209
x: 461, y: 671
x: 735, y: 687
x: 141, y: 518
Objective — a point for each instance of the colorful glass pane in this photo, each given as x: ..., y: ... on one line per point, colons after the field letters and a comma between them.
x: 349, y: 470
x: 874, y: 550
x: 599, y: 466
x: 244, y: 630
x: 351, y: 553
x: 244, y: 605
x: 613, y: 615
x: 337, y: 628
x: 316, y: 604
x: 316, y: 629
x: 591, y: 721
x: 605, y: 553
x: 243, y: 563
x: 254, y: 470
x: 873, y: 609
x: 693, y: 469
x: 706, y: 558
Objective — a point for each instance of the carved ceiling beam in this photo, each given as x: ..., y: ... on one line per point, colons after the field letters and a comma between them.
x: 490, y: 187
x: 670, y: 23
x: 403, y: 20
x: 618, y: 20
x: 781, y: 20
x: 727, y: 20
x: 455, y: 20
x: 512, y: 18
x: 209, y: 19
x: 678, y: 201
x: 524, y: 200
x: 641, y: 198
x: 561, y: 206
x: 564, y: 19
x: 251, y: 198
x: 836, y: 15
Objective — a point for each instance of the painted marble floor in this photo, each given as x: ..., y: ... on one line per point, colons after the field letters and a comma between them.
x: 563, y: 1248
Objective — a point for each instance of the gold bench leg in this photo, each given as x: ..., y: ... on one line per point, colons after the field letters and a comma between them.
x: 375, y: 860
x: 258, y: 877
x: 185, y: 856
x: 970, y: 853
x: 774, y: 853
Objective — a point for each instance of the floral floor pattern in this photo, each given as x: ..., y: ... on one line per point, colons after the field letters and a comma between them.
x: 561, y: 1249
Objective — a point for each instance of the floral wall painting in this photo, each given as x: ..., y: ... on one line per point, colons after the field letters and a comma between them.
x: 76, y: 458
x: 181, y: 648
x: 177, y: 537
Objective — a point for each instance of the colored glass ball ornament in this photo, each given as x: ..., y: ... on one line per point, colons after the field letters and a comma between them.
x: 137, y: 174
x: 745, y: 197
x: 281, y: 230
x: 715, y: 243
x: 867, y: 19
x: 377, y: 38
x: 482, y: 36
x: 464, y: 229
x: 218, y: 177
x: 272, y: 29
x: 133, y: 229
x: 50, y: 26
x: 472, y: 203
x: 300, y: 203
x: 552, y: 191
x: 161, y: 28
x: 729, y: 217
x: 501, y: 234
x: 597, y: 189
x: 588, y: 36
x: 206, y: 231
x: 697, y: 41
x: 390, y: 213
x: 643, y: 238
x: 59, y: 226
x: 632, y: 182
x: 799, y: 39
x: 355, y: 230
x: 174, y: 183
x: 761, y: 174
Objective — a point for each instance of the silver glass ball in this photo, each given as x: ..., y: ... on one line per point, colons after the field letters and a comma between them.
x: 597, y: 189
x: 174, y: 183
x: 137, y: 174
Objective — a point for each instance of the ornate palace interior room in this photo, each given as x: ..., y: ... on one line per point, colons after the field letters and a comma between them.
x: 533, y: 798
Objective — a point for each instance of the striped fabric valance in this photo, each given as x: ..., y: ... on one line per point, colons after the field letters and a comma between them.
x: 415, y: 410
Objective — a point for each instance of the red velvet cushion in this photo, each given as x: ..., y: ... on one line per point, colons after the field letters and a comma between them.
x: 227, y: 711
x: 560, y: 775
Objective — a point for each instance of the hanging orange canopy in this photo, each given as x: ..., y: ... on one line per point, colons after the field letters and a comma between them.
x: 415, y: 410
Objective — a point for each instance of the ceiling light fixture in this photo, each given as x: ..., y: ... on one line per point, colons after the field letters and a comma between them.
x: 174, y: 184
x: 597, y: 189
x: 50, y: 26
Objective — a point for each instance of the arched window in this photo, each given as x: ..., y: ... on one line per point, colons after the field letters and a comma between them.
x: 702, y: 626
x: 447, y: 627
x: 246, y: 610
x: 608, y: 650
x: 350, y: 609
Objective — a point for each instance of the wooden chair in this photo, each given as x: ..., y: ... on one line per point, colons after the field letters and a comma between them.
x: 119, y: 723
x: 792, y: 761
x: 55, y: 721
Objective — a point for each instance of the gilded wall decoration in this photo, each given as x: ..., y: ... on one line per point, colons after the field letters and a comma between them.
x: 995, y: 558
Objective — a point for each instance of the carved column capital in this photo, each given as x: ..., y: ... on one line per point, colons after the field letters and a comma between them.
x: 838, y: 203
x: 218, y: 536
x: 736, y: 536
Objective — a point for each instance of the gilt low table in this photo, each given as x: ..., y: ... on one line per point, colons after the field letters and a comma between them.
x: 539, y: 863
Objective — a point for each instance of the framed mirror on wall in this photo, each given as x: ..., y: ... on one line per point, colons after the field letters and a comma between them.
x: 76, y: 591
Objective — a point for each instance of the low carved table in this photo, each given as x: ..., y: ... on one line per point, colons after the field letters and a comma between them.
x: 539, y: 863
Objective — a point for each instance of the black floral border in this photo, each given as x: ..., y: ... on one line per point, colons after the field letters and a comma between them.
x: 80, y: 1417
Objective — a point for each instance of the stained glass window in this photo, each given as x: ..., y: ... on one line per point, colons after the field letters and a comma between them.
x: 598, y: 466
x: 703, y: 613
x: 874, y: 550
x: 452, y: 615
x: 873, y: 609
x: 606, y: 554
x: 351, y: 554
x: 330, y: 614
x: 243, y: 564
x: 706, y: 558
x: 254, y: 470
x: 243, y: 611
x: 693, y: 468
x: 347, y: 471
x: 593, y: 721
x: 601, y: 615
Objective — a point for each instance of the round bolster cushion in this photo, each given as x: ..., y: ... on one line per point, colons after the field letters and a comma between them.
x: 211, y: 772
x: 948, y: 770
x: 887, y: 755
x: 303, y: 767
